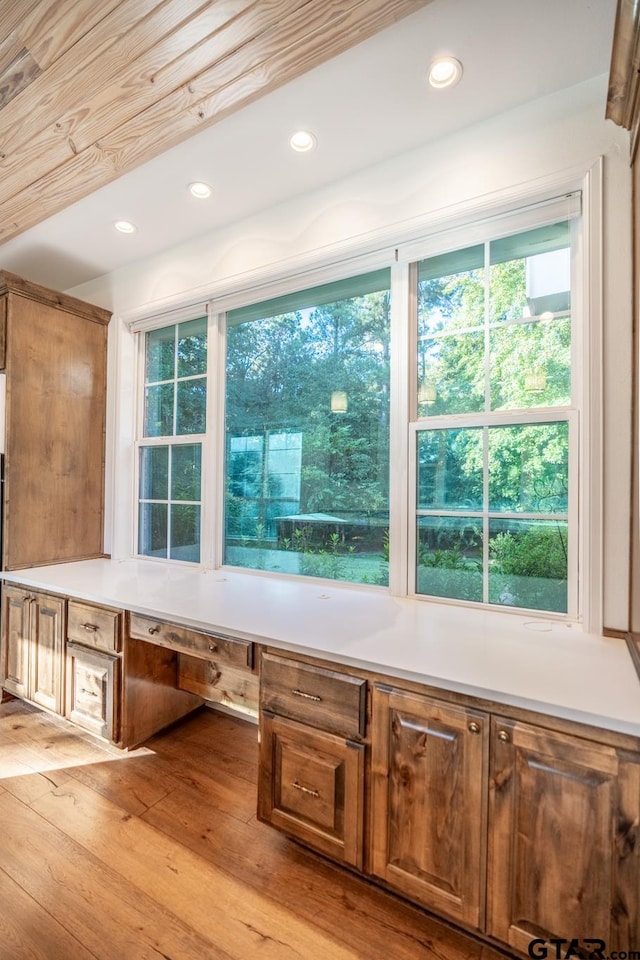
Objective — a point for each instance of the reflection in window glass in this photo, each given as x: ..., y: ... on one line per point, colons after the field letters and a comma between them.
x: 528, y: 564
x: 529, y: 468
x: 449, y: 557
x: 450, y: 470
x: 494, y: 330
x: 511, y: 550
x: 175, y: 380
x: 307, y: 433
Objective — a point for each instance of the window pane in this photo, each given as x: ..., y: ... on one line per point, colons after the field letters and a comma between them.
x: 451, y: 375
x: 531, y: 365
x: 450, y: 469
x: 185, y: 472
x: 191, y: 406
x: 528, y: 564
x: 529, y: 468
x: 185, y: 532
x: 160, y: 354
x: 152, y: 530
x: 158, y: 411
x: 154, y: 473
x: 449, y: 557
x: 451, y: 291
x: 307, y: 451
x: 192, y: 347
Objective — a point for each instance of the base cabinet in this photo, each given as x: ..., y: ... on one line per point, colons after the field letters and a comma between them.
x: 564, y: 842
x: 514, y: 830
x: 92, y: 690
x: 312, y: 787
x: 32, y: 655
x: 429, y: 762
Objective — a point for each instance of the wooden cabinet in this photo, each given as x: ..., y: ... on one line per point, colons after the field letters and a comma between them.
x: 312, y: 758
x: 564, y: 856
x: 33, y: 644
x: 93, y: 668
x: 513, y: 829
x: 53, y: 351
x: 429, y: 775
x: 92, y: 690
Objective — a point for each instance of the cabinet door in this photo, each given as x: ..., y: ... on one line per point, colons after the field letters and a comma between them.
x: 47, y: 642
x: 92, y: 684
x: 563, y: 856
x: 429, y: 812
x: 16, y: 607
x: 312, y: 787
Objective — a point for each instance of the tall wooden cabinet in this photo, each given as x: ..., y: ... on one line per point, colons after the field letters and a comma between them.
x: 53, y: 349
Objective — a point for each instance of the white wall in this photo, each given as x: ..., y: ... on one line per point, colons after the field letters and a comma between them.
x: 388, y: 203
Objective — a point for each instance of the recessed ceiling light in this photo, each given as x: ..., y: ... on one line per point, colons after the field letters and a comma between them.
x: 200, y: 189
x: 302, y: 141
x: 445, y: 72
x: 125, y: 226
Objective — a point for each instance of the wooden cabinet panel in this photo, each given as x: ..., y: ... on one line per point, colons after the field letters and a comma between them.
x: 209, y: 646
x: 94, y: 626
x: 563, y: 861
x: 312, y: 787
x: 429, y: 809
x: 56, y: 350
x: 16, y: 640
x: 47, y: 644
x: 32, y: 646
x: 92, y: 690
x: 322, y: 698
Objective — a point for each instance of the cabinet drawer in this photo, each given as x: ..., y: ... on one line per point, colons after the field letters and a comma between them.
x: 93, y: 626
x: 322, y: 698
x: 238, y: 653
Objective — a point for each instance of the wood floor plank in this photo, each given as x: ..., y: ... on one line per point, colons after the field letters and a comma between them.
x: 110, y: 916
x: 210, y: 901
x: 27, y: 932
x: 143, y: 854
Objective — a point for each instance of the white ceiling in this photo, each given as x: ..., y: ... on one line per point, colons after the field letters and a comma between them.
x: 364, y: 106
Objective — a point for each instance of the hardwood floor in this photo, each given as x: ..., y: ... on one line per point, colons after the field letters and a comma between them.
x: 156, y: 854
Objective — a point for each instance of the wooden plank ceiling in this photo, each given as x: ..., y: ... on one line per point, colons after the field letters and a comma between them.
x: 90, y: 89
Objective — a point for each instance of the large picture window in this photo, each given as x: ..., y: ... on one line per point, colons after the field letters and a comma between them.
x: 307, y: 432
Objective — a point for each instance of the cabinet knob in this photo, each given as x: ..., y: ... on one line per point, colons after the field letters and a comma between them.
x: 155, y: 629
x: 213, y: 648
x: 474, y: 727
x: 504, y: 737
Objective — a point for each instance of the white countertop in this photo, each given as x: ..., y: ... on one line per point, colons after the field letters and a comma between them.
x: 551, y: 667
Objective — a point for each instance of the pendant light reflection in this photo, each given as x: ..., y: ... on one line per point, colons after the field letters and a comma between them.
x: 339, y: 401
x: 535, y: 382
x: 427, y: 393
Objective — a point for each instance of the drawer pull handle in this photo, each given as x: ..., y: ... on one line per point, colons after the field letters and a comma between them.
x: 91, y: 627
x: 306, y: 696
x: 474, y: 727
x: 89, y: 693
x: 153, y: 630
x: 504, y: 737
x: 213, y: 647
x: 311, y: 793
